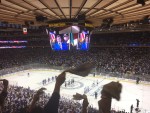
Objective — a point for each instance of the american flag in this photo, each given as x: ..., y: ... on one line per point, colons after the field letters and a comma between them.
x: 82, y: 37
x: 52, y: 36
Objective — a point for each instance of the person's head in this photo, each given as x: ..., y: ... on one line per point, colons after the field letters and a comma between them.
x: 58, y: 38
x: 66, y: 37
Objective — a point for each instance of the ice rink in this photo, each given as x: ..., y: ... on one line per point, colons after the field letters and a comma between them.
x: 130, y: 91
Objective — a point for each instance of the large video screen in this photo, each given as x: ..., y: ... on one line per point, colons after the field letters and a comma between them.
x: 71, y: 38
x: 84, y: 40
x: 59, y: 42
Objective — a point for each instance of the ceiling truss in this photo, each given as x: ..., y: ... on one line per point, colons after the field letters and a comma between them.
x: 121, y: 11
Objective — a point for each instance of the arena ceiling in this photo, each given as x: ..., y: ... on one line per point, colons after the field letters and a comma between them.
x: 18, y: 11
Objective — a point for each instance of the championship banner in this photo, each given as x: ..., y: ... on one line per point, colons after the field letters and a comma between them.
x: 57, y: 25
x: 63, y: 24
x: 88, y: 25
x: 24, y: 31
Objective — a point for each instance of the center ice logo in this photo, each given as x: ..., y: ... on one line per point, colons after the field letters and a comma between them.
x: 72, y: 85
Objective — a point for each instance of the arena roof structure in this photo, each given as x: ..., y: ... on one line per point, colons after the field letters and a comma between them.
x: 19, y: 11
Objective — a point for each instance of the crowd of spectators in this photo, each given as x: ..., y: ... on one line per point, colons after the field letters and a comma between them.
x: 20, y: 98
x: 16, y: 99
x: 132, y: 39
x: 120, y: 61
x: 115, y: 61
x: 12, y: 39
x: 13, y: 33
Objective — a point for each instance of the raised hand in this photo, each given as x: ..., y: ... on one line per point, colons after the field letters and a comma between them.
x: 61, y: 79
x: 38, y: 93
x: 85, y: 102
x: 85, y: 105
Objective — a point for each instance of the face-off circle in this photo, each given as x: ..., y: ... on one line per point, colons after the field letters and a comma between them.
x: 74, y: 85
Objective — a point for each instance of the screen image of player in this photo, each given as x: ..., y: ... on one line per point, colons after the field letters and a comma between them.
x: 60, y: 42
x: 83, y: 41
x: 66, y: 42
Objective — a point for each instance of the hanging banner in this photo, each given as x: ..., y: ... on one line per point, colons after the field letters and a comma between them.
x: 57, y: 25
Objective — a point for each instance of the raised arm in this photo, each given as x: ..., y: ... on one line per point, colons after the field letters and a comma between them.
x: 36, y: 98
x: 4, y: 93
x: 53, y: 103
x: 85, y: 105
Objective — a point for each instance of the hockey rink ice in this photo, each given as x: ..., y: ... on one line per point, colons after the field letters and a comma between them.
x: 130, y: 91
